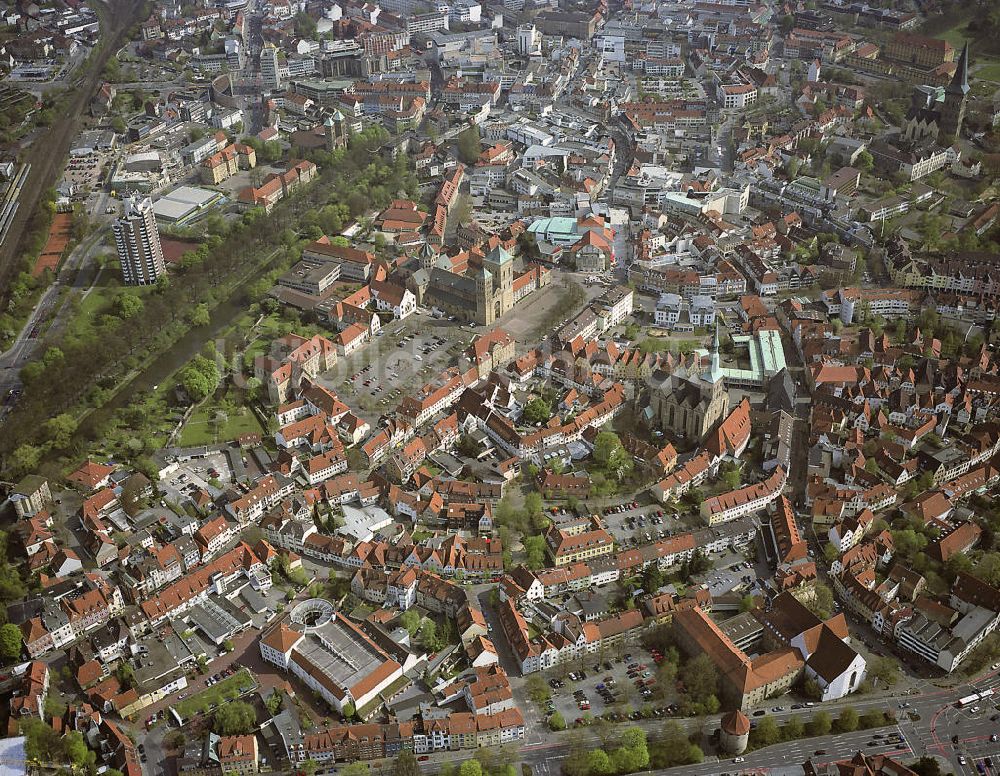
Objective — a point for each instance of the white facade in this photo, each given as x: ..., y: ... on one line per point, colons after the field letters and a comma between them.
x: 137, y: 240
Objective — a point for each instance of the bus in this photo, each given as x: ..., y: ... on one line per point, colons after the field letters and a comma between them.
x: 968, y: 700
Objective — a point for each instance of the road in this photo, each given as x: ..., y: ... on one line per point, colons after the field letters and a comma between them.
x: 47, y: 153
x: 25, y: 344
x: 937, y: 720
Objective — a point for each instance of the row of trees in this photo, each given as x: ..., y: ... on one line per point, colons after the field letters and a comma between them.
x: 768, y: 732
x: 94, y: 357
x: 629, y: 752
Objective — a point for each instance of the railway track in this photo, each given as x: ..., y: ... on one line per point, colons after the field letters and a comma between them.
x: 46, y: 155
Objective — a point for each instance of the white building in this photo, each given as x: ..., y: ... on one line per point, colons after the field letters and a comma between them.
x: 137, y: 240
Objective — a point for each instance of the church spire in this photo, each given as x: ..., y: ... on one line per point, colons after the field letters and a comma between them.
x: 715, y: 368
x: 960, y: 81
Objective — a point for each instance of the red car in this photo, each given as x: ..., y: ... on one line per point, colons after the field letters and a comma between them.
x: 424, y: 758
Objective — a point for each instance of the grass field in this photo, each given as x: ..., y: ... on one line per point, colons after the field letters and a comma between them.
x: 201, y: 429
x: 955, y: 35
x: 228, y: 689
x: 990, y: 72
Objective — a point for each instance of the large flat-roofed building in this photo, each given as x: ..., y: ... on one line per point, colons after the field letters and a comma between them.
x: 311, y: 276
x: 328, y: 652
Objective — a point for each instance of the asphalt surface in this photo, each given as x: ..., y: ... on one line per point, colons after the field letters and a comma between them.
x: 26, y: 343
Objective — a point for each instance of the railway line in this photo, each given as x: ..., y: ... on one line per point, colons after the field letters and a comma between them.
x: 9, y: 202
x: 44, y: 158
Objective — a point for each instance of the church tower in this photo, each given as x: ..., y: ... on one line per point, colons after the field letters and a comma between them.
x: 335, y: 131
x: 955, y: 95
x: 428, y: 256
x: 501, y: 266
x: 485, y: 310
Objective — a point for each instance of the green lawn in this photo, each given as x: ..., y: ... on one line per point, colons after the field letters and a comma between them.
x: 201, y: 429
x: 954, y: 35
x: 989, y: 72
x: 228, y: 689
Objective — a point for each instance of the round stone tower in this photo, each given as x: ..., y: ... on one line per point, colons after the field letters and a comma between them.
x: 735, y: 732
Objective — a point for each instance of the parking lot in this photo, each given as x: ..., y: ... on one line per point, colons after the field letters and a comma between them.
x: 609, y: 685
x: 641, y: 524
x: 84, y: 171
x: 645, y: 520
x: 197, y: 474
x: 399, y: 361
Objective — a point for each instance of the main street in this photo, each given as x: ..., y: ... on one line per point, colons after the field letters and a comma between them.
x: 926, y: 725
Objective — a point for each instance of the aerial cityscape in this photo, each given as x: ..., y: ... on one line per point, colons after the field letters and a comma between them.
x: 505, y: 388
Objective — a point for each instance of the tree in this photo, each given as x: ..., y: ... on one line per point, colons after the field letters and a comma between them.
x: 428, y: 634
x: 701, y: 679
x: 537, y: 411
x: 470, y: 768
x: 274, y: 701
x: 538, y: 691
x: 60, y: 430
x: 611, y: 455
x: 557, y: 722
x: 534, y: 548
x: 871, y: 719
x: 24, y: 459
x: 666, y: 678
x: 199, y: 315
x: 469, y: 145
x: 125, y: 674
x: 598, y: 763
x: 927, y: 766
x: 410, y: 619
x: 128, y: 306
x: 793, y: 729
x: 864, y: 162
x: 200, y: 377
x: 76, y: 748
x: 821, y: 602
x: 847, y: 722
x: 309, y: 767
x: 633, y: 754
x: 820, y: 724
x: 812, y: 690
x: 766, y: 733
x: 234, y: 718
x: 885, y: 669
x: 356, y: 769
x: 10, y: 642
x: 406, y: 764
x: 674, y: 748
x: 730, y: 475
x: 462, y: 212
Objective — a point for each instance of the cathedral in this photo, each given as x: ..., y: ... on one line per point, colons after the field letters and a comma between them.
x: 481, y: 295
x: 690, y: 405
x: 936, y: 112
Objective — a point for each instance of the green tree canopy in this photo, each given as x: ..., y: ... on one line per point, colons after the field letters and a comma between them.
x: 537, y: 411
x: 10, y: 642
x: 406, y: 764
x: 611, y: 455
x: 200, y: 377
x: 234, y: 718
x: 469, y: 145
